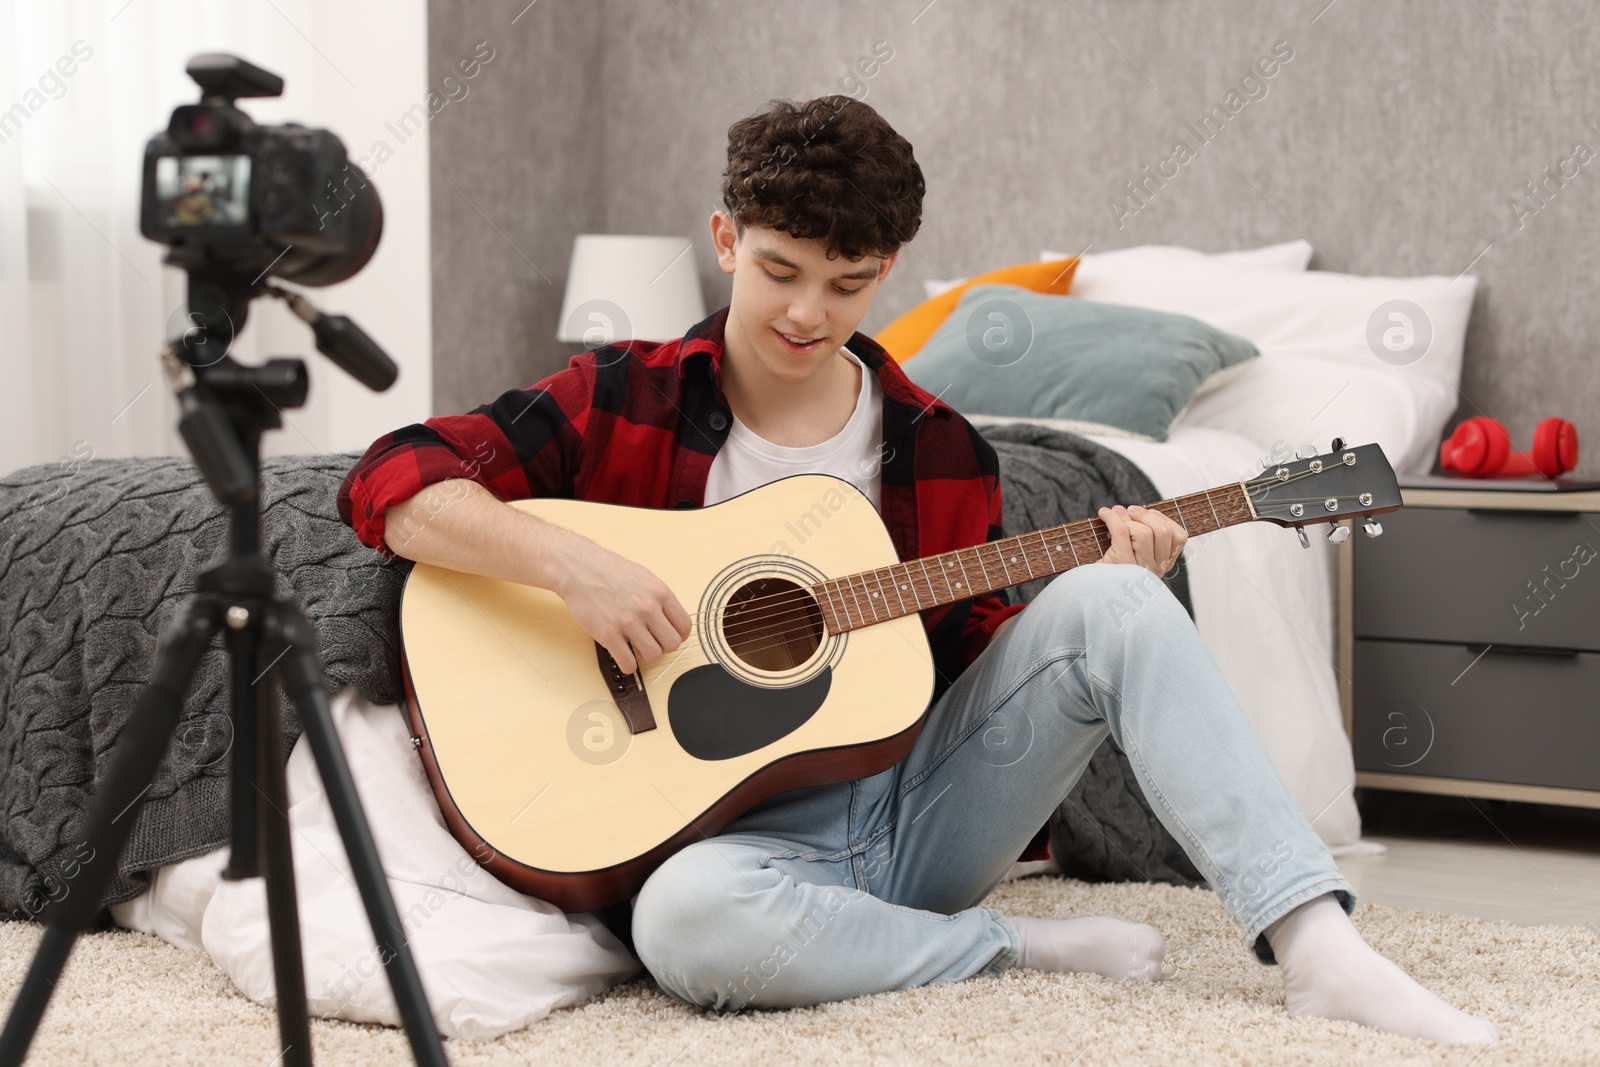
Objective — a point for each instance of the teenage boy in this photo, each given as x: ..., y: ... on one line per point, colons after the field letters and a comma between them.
x: 834, y: 891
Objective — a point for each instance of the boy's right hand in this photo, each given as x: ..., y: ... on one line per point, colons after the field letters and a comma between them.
x: 618, y: 602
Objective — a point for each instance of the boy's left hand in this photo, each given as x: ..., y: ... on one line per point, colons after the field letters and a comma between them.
x: 1142, y: 536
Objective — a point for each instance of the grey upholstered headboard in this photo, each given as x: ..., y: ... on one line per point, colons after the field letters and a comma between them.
x: 1429, y: 137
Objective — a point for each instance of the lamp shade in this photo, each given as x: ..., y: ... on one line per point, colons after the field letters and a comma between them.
x: 623, y: 286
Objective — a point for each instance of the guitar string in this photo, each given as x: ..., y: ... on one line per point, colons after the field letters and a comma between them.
x: 805, y: 608
x: 806, y: 605
x: 1093, y: 529
x: 782, y: 636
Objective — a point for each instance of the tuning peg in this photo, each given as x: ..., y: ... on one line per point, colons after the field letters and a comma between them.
x: 1300, y: 531
x: 1339, y: 534
x: 1338, y: 445
x: 1373, y: 529
x: 1265, y: 462
x: 1306, y: 452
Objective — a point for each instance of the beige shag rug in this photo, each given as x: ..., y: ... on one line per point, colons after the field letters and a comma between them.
x: 129, y: 998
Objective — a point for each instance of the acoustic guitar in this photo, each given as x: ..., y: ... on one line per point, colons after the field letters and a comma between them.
x: 807, y: 664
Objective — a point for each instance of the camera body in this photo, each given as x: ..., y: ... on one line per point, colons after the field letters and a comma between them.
x: 230, y: 196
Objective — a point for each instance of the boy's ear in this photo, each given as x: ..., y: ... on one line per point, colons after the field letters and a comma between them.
x: 888, y: 265
x: 724, y: 235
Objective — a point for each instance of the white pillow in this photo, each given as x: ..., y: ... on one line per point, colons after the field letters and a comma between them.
x: 1317, y: 315
x: 1293, y: 401
x: 492, y: 960
x: 1290, y: 255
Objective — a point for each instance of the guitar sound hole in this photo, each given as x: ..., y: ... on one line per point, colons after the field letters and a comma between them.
x: 772, y: 624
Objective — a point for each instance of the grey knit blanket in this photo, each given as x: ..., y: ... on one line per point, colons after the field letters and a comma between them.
x: 95, y: 562
x: 1104, y: 830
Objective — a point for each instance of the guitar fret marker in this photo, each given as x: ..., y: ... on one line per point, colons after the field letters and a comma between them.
x: 902, y: 599
x: 864, y: 589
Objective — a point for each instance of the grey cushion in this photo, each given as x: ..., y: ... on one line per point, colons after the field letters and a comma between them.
x: 1008, y: 351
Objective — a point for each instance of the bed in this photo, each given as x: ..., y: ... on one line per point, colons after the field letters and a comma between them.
x: 1365, y: 358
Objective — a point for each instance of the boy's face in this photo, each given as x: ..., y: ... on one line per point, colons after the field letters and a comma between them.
x: 786, y: 285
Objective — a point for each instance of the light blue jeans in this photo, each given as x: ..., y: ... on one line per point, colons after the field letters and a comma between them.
x: 837, y: 891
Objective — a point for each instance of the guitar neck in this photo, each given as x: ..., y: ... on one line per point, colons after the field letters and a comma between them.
x: 875, y: 596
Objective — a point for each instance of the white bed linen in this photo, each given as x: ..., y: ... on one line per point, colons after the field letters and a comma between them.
x: 1264, y: 607
x: 492, y: 960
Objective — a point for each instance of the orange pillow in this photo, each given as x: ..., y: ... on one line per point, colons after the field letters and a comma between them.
x: 905, y: 336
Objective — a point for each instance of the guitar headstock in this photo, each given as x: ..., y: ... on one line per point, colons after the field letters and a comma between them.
x: 1341, y: 484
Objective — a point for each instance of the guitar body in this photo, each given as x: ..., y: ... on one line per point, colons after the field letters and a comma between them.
x: 538, y: 771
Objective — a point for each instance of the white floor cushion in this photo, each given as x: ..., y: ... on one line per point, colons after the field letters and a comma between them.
x: 492, y: 960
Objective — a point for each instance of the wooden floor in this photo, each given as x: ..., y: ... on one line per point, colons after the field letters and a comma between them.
x: 1532, y: 864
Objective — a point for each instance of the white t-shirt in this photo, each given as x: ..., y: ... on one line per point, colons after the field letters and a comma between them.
x: 747, y: 460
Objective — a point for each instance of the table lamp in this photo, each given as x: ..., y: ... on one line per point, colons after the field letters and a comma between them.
x: 624, y: 286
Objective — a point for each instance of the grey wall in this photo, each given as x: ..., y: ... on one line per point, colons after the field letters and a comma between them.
x: 1394, y: 141
x: 516, y: 172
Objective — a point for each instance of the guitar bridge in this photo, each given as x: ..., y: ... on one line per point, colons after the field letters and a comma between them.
x: 628, y: 692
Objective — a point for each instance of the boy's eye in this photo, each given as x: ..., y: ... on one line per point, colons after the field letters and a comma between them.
x: 791, y: 277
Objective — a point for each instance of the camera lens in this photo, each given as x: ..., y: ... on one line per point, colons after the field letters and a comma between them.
x: 365, y: 229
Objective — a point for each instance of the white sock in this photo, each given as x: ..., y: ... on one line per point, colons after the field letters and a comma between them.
x: 1329, y: 971
x: 1096, y: 943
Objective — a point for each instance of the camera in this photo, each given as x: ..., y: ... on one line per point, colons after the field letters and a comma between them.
x: 234, y: 199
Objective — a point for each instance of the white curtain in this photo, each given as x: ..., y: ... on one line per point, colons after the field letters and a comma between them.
x: 85, y: 302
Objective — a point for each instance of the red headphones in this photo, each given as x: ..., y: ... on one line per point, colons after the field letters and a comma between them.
x: 1481, y: 448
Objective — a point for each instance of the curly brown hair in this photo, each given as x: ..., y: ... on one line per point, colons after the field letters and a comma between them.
x: 830, y: 168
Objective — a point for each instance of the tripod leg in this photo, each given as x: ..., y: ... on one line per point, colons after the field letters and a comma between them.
x: 283, y: 915
x: 112, y: 811
x: 301, y: 674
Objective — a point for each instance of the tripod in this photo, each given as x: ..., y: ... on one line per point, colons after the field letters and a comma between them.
x: 270, y: 642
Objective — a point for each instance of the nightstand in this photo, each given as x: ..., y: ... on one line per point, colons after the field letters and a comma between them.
x: 1469, y: 646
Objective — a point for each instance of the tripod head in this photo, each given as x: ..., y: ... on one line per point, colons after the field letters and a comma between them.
x: 225, y: 405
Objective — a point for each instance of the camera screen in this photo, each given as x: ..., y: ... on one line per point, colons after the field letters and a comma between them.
x: 203, y: 190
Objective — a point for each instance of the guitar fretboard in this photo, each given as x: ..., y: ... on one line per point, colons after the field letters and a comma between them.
x: 875, y: 596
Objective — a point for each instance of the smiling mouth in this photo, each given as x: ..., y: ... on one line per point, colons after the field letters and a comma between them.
x: 794, y: 345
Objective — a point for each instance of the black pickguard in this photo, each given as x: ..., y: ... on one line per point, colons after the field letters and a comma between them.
x: 716, y: 715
